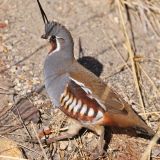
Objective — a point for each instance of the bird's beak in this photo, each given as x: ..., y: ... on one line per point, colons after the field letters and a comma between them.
x: 44, y: 36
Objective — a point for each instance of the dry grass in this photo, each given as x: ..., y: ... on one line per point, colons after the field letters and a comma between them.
x: 131, y: 55
x: 147, y: 154
x: 147, y: 10
x: 10, y: 158
x: 39, y: 141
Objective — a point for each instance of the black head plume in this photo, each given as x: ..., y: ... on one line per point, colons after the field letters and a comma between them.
x: 53, y: 28
x: 48, y: 26
x: 45, y: 19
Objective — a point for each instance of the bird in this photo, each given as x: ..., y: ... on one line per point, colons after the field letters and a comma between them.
x: 80, y: 94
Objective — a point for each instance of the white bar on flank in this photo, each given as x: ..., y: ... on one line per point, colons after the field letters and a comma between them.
x: 65, y: 99
x: 72, y: 105
x: 90, y: 112
x: 78, y: 106
x: 84, y: 109
x: 99, y: 115
x: 69, y: 101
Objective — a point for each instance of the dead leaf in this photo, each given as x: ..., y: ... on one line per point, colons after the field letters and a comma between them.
x: 8, y: 148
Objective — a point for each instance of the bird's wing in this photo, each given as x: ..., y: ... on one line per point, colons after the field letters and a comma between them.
x: 95, y: 103
x: 77, y: 102
x: 110, y: 99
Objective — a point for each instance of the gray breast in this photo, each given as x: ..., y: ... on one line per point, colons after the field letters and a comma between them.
x: 54, y: 81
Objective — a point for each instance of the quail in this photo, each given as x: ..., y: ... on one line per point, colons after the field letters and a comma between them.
x: 80, y: 94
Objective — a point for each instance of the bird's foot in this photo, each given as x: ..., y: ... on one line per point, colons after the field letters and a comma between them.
x: 99, y: 150
x: 95, y: 153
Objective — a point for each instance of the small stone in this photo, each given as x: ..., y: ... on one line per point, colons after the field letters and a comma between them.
x: 39, y: 102
x: 69, y: 148
x: 154, y: 118
x: 16, y: 81
x: 63, y: 145
x: 35, y: 81
x: 25, y: 68
x: 56, y: 110
x: 19, y: 84
x: 31, y: 72
x: 29, y: 91
x: 5, y: 49
x: 10, y: 104
x: 158, y: 81
x: 90, y: 135
x: 17, y: 88
x: 116, y: 20
x: 23, y: 29
x: 13, y: 69
x: 6, y: 21
x: 9, y: 47
x: 156, y: 152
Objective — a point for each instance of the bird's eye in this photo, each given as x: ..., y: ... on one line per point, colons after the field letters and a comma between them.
x: 52, y: 38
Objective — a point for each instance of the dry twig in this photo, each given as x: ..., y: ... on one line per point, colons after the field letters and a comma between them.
x: 131, y: 54
x: 43, y: 151
x: 146, y: 155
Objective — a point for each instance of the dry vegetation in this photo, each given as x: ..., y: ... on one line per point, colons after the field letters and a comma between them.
x: 132, y: 68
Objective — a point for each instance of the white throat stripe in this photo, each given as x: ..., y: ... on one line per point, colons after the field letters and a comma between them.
x: 58, y: 46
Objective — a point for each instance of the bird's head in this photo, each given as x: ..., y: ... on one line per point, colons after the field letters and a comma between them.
x: 58, y: 36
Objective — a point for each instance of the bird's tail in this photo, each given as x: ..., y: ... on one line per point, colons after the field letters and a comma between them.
x: 144, y: 130
x: 129, y: 120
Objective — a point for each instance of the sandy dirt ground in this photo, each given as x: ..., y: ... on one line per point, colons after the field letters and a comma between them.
x: 98, y: 25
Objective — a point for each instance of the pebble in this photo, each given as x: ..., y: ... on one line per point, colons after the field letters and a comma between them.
x: 154, y: 118
x: 116, y: 19
x: 29, y: 91
x: 63, y: 145
x: 89, y: 135
x: 6, y: 21
x: 23, y: 29
x: 35, y: 81
x: 70, y: 148
x: 13, y: 69
x: 17, y: 88
x: 156, y: 152
x: 158, y: 81
x: 9, y: 47
x: 25, y: 68
x: 39, y: 102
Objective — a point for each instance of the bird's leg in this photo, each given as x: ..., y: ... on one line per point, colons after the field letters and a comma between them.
x: 101, y: 142
x: 73, y: 130
x: 44, y: 132
x: 99, y: 130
